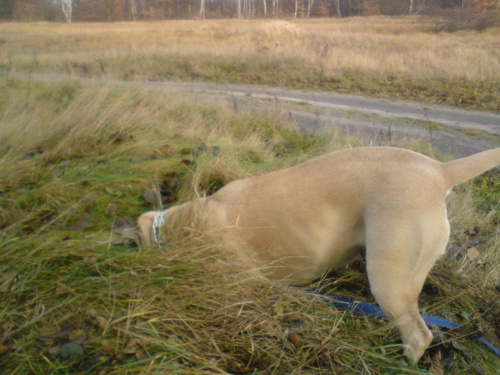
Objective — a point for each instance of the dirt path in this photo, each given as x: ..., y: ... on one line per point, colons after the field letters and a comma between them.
x: 450, y: 130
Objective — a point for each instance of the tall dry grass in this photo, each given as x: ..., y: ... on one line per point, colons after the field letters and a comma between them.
x: 69, y: 150
x: 382, y: 56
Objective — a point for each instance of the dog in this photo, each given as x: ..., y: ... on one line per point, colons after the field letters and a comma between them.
x: 385, y: 203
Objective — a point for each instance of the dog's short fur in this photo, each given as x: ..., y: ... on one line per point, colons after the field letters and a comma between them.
x: 306, y: 220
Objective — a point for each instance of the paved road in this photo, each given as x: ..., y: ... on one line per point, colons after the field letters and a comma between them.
x: 451, y: 130
x: 450, y: 116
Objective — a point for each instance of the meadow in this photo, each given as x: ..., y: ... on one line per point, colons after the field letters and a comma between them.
x: 77, y: 295
x: 384, y: 57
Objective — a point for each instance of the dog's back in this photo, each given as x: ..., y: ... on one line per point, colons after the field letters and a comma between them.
x: 305, y: 220
x: 300, y: 222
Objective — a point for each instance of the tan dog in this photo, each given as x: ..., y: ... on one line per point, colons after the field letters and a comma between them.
x: 306, y: 220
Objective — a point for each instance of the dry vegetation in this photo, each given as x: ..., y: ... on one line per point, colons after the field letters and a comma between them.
x: 76, y: 297
x: 379, y: 56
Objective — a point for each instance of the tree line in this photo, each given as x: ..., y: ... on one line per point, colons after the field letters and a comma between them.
x: 129, y: 10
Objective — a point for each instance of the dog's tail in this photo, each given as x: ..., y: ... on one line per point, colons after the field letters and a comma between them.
x: 457, y: 171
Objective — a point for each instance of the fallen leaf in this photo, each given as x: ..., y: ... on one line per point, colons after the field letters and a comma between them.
x: 77, y: 335
x: 473, y: 254
x: 132, y: 346
x: 167, y: 150
x: 107, y: 346
x: 62, y: 289
x: 294, y: 339
x: 291, y: 317
x: 47, y: 159
x: 55, y: 350
x: 102, y: 322
x: 49, y: 332
x: 238, y: 367
x: 50, y: 336
x: 140, y: 355
x: 3, y: 349
x: 188, y: 160
x: 156, y: 154
x: 92, y: 312
x: 458, y: 347
x: 278, y: 307
x: 111, y: 209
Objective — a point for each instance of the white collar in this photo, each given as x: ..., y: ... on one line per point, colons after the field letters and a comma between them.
x: 158, y: 223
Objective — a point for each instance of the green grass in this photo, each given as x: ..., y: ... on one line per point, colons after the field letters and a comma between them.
x: 68, y: 150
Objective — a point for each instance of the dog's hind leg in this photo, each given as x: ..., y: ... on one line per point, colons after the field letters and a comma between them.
x: 399, y: 255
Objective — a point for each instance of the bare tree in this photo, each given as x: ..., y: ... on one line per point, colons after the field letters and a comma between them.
x: 310, y: 4
x: 421, y: 6
x: 133, y: 9
x: 67, y: 8
x: 202, y: 9
x: 337, y: 7
x: 275, y: 6
x: 412, y: 10
x: 264, y: 7
x: 238, y: 8
x: 248, y: 8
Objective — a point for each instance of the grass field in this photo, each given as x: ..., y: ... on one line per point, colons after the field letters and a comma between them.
x: 378, y: 56
x: 76, y: 297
